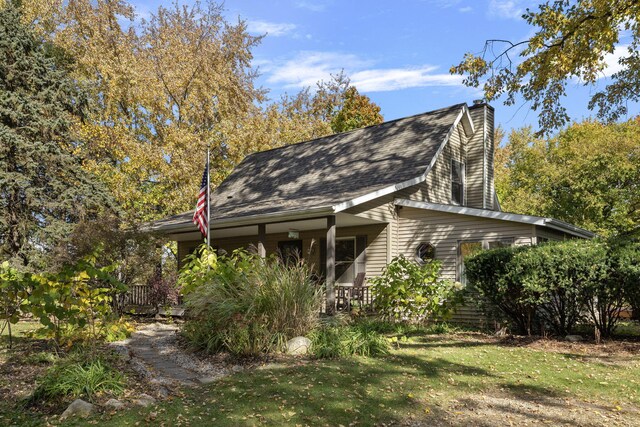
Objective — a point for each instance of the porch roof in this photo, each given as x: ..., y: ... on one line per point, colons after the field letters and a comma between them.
x: 553, y: 223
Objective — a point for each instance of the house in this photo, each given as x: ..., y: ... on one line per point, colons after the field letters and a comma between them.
x: 421, y: 186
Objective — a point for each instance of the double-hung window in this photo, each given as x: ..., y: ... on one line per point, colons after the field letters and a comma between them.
x: 457, y: 182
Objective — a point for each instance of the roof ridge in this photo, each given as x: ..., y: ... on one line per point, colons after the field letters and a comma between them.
x: 353, y: 130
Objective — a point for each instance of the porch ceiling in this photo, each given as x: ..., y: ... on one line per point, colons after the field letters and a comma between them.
x: 342, y: 220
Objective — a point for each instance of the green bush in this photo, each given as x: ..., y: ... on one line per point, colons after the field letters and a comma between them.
x: 408, y: 292
x: 626, y: 261
x: 336, y: 341
x: 555, y: 285
x: 73, y: 378
x: 247, y: 305
x: 494, y: 284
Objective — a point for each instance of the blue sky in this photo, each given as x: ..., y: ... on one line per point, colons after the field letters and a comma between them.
x: 396, y: 52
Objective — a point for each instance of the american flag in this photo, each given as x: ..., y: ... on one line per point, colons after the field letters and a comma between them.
x: 200, y: 214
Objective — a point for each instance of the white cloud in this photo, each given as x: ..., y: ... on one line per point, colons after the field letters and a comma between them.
x: 382, y: 80
x: 510, y: 9
x: 465, y: 9
x: 612, y: 60
x: 312, y: 5
x: 271, y: 28
x: 307, y: 68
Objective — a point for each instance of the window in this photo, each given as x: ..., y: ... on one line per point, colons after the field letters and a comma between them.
x: 345, y: 257
x: 425, y: 252
x: 469, y: 248
x: 457, y: 182
x: 465, y: 250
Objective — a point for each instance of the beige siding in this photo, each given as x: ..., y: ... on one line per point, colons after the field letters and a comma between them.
x: 476, y: 166
x: 551, y: 234
x: 445, y: 231
x: 490, y: 152
x: 438, y: 182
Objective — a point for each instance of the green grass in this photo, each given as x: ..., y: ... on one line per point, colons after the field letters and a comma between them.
x: 421, y: 377
x: 19, y: 329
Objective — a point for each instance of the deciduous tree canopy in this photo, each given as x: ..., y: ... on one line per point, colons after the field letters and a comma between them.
x: 588, y: 175
x: 571, y: 41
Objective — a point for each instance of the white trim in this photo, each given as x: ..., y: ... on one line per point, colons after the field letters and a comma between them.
x: 484, y: 213
x: 464, y: 114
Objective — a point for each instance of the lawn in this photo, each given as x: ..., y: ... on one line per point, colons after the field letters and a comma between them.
x: 430, y: 380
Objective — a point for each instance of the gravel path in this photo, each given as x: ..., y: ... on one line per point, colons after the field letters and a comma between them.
x: 155, y: 353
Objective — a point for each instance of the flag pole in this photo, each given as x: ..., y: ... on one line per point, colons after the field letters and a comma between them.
x: 208, y: 200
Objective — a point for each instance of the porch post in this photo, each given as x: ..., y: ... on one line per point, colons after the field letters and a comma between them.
x: 331, y: 264
x: 262, y: 238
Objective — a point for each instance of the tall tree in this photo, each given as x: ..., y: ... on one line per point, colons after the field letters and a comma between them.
x: 588, y: 175
x: 339, y: 103
x: 44, y: 190
x: 571, y: 42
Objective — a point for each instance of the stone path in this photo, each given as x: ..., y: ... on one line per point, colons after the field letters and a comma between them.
x: 154, y: 353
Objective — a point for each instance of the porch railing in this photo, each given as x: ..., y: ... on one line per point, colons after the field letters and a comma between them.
x: 349, y: 297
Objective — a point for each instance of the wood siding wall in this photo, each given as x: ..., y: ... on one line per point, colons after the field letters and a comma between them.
x: 476, y: 166
x: 445, y: 231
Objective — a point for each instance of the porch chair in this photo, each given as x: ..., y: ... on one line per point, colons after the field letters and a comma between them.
x: 357, y: 291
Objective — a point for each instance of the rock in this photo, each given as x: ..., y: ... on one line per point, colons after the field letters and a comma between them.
x: 78, y: 408
x: 210, y: 379
x: 237, y: 368
x: 122, y: 350
x: 163, y: 392
x: 298, y: 345
x: 114, y: 404
x: 144, y: 400
x: 574, y: 338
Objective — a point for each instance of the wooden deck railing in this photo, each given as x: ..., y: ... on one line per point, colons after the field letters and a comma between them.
x: 353, y: 297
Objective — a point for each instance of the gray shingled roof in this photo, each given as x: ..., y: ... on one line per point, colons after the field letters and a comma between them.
x: 330, y: 170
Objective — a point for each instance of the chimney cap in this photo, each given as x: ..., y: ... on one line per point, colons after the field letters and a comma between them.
x: 479, y: 102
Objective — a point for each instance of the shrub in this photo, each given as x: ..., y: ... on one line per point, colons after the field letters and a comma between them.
x: 332, y: 342
x: 563, y: 281
x: 406, y: 291
x: 625, y: 255
x: 72, y: 379
x: 494, y: 284
x: 247, y: 305
x: 556, y: 284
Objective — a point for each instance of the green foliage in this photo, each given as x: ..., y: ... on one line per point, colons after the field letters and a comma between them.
x: 245, y: 304
x: 78, y: 296
x: 44, y: 192
x: 626, y: 268
x: 337, y: 341
x: 14, y: 290
x: 587, y: 175
x: 555, y: 284
x: 572, y: 40
x: 495, y: 286
x: 406, y: 291
x: 74, y: 378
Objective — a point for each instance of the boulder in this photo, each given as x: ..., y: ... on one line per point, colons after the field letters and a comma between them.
x: 144, y: 400
x: 298, y: 345
x: 114, y: 404
x: 574, y: 338
x: 78, y: 408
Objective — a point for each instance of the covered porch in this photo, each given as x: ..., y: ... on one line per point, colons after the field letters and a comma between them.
x: 339, y: 248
